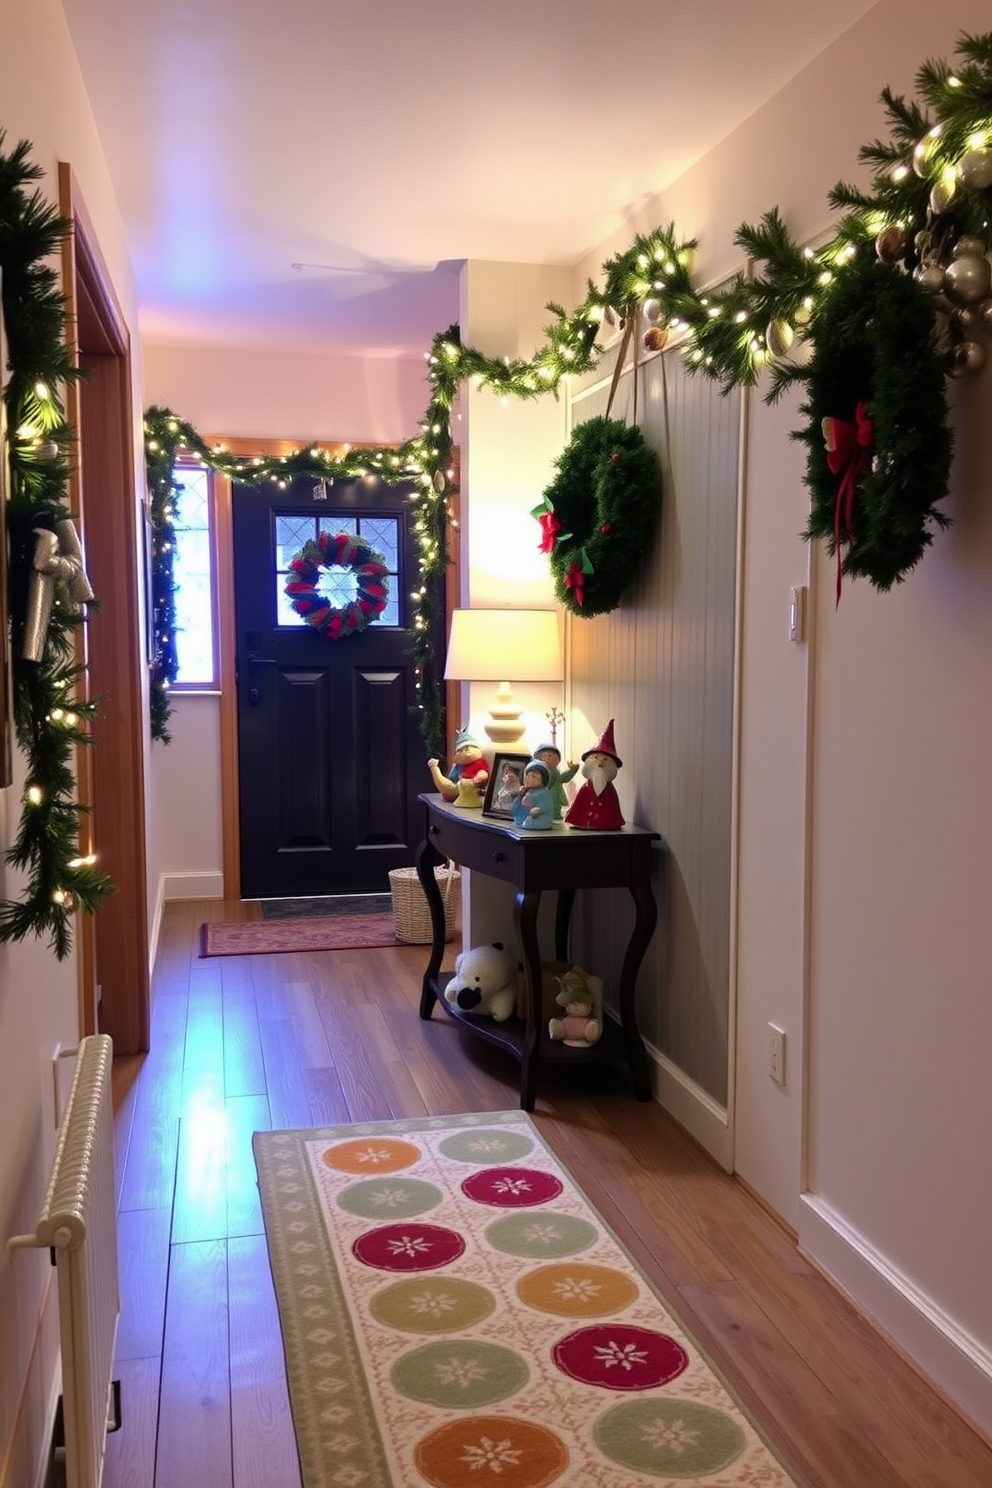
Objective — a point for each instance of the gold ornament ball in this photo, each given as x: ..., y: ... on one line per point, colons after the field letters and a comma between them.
x: 655, y: 338
x: 968, y: 278
x: 779, y: 337
x: 975, y: 169
x: 942, y: 194
x: 890, y: 245
x: 923, y: 157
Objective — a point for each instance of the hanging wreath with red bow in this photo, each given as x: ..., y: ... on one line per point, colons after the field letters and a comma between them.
x: 876, y: 423
x: 342, y: 550
x: 597, y: 516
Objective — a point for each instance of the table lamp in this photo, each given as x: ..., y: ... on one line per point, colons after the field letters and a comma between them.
x: 494, y: 645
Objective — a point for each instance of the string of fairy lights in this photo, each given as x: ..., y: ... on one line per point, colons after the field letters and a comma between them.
x: 926, y: 212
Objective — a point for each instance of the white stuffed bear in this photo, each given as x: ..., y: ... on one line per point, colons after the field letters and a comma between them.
x: 484, y: 983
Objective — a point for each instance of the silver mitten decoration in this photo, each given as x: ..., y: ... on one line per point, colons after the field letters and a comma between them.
x: 58, y: 559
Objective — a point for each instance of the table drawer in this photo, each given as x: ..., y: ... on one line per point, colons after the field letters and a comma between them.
x: 472, y: 845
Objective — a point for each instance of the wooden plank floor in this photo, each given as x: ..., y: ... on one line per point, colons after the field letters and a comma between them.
x: 248, y: 1043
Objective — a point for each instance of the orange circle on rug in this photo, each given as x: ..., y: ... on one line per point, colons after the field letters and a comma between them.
x: 371, y: 1155
x: 512, y: 1452
x: 575, y: 1289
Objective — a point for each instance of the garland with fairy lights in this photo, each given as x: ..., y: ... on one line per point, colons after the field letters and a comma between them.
x: 598, y: 514
x: 345, y: 551
x: 927, y: 213
x: 52, y: 714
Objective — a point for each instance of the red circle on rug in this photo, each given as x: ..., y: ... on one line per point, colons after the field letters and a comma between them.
x: 512, y: 1188
x: 620, y: 1356
x: 408, y: 1247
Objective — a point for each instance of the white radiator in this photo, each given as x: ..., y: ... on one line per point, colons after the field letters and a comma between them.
x: 78, y: 1220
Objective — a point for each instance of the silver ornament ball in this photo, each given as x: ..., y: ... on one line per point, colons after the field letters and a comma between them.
x: 968, y: 278
x: 930, y: 277
x: 779, y: 337
x: 975, y: 169
x: 969, y: 356
x: 968, y: 246
x: 985, y: 314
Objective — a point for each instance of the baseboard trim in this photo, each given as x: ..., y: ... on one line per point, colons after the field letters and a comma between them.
x: 193, y: 885
x: 702, y: 1116
x: 956, y: 1363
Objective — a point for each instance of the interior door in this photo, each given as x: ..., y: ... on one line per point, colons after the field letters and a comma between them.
x: 330, y: 754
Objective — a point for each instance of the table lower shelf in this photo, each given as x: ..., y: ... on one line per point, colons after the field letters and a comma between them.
x: 511, y: 1035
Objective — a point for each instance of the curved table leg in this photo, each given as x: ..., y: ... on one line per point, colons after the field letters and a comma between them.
x: 646, y: 918
x: 428, y: 858
x: 525, y: 909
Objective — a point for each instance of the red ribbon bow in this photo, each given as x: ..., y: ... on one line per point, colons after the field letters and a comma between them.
x: 575, y: 579
x: 550, y: 527
x: 848, y: 452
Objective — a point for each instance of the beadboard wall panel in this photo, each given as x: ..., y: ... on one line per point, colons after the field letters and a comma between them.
x: 663, y: 666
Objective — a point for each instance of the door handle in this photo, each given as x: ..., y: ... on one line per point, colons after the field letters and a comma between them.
x: 254, y: 661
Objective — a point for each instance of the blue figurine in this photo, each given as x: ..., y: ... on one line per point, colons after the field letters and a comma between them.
x: 533, y: 808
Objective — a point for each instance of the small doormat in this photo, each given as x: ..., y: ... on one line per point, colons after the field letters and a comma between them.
x: 456, y: 1314
x: 327, y: 904
x: 325, y: 933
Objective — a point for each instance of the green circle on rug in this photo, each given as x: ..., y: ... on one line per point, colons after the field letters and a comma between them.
x: 462, y: 1373
x: 541, y: 1234
x: 432, y: 1304
x: 486, y: 1145
x: 389, y: 1198
x: 576, y: 1289
x: 669, y: 1438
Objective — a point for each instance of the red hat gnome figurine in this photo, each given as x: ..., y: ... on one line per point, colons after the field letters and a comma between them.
x: 596, y: 807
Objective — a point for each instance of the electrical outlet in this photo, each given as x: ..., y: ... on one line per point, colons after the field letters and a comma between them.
x: 776, y: 1053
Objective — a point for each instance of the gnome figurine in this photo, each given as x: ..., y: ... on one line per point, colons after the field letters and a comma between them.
x: 466, y: 783
x: 596, y: 806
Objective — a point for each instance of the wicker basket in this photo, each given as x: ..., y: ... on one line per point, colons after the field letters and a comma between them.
x: 410, y: 908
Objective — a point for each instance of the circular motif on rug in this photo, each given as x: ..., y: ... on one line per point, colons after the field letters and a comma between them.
x: 389, y: 1198
x: 408, y: 1247
x: 669, y: 1438
x: 460, y: 1374
x: 371, y: 1155
x: 486, y: 1145
x: 620, y: 1356
x: 512, y: 1188
x: 576, y: 1289
x: 432, y: 1304
x: 541, y: 1236
x: 497, y: 1449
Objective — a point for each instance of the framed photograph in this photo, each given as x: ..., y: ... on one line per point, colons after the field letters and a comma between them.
x: 505, y: 778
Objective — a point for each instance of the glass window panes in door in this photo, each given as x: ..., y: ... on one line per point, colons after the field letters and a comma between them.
x: 382, y: 533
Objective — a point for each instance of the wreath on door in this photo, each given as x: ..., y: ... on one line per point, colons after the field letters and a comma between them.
x: 344, y: 551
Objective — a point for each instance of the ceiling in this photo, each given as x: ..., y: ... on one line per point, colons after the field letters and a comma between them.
x: 305, y: 174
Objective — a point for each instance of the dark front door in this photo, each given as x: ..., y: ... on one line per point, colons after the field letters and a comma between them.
x: 330, y: 755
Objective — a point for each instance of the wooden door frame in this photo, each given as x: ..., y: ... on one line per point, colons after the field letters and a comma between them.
x: 113, y: 945
x: 227, y: 641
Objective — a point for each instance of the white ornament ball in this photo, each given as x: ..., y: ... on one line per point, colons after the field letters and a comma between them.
x: 969, y: 279
x: 779, y: 338
x: 975, y: 169
x: 652, y: 311
x: 439, y: 481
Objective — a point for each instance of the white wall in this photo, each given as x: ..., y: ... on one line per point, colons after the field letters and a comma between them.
x: 879, y: 1156
x: 41, y: 100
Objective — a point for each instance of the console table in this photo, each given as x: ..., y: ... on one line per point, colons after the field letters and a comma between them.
x: 565, y: 859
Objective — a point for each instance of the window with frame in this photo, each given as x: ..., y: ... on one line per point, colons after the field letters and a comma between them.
x: 337, y: 585
x: 193, y: 572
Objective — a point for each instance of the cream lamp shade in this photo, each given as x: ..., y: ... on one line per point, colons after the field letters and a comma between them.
x: 499, y: 645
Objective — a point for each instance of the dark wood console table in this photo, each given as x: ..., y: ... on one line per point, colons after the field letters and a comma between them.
x: 564, y: 859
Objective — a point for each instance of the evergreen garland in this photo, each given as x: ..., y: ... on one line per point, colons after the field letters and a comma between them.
x: 51, y: 712
x: 599, y: 513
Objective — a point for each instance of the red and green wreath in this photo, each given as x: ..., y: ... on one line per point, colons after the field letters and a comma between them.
x: 341, y: 550
x: 598, y: 515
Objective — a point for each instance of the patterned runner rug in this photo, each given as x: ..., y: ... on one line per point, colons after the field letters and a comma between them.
x: 325, y: 933
x: 455, y: 1314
